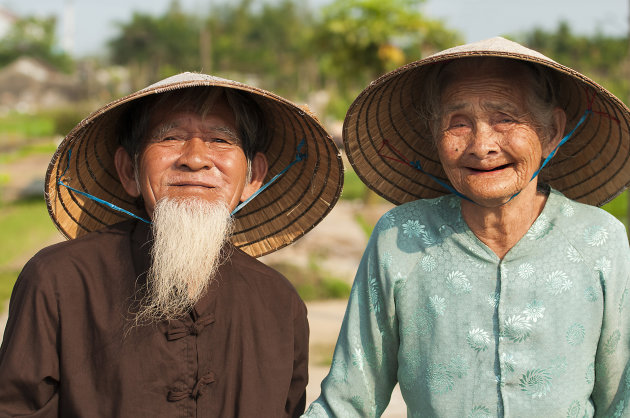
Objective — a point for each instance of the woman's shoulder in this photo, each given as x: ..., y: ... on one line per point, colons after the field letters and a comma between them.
x: 589, y: 225
x: 577, y: 212
x: 425, y: 210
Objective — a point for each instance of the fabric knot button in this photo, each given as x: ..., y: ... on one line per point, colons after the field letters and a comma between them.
x: 177, y: 329
x: 194, y: 393
x: 195, y: 329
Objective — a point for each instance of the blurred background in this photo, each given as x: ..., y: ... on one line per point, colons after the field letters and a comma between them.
x: 62, y: 59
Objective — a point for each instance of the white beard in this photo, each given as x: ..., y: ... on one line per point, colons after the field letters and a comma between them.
x: 189, y: 235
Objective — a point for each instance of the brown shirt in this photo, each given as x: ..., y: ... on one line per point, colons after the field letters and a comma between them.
x: 69, y: 349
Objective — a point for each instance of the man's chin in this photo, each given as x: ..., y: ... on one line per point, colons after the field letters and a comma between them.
x: 189, y: 236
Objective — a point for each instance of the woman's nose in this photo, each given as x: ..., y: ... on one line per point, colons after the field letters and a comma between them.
x: 484, y: 140
x: 195, y: 155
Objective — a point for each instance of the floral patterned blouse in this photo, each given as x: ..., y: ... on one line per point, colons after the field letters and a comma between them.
x: 544, y: 332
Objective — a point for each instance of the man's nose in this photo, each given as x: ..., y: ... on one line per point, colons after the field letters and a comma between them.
x: 195, y: 155
x: 484, y: 140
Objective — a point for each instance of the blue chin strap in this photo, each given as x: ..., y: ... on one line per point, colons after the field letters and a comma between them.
x: 418, y: 166
x: 94, y: 198
x: 552, y: 153
x: 299, y: 156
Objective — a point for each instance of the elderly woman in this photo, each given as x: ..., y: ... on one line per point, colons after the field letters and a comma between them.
x: 487, y: 292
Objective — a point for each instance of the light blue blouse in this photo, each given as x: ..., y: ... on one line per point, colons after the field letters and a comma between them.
x: 543, y: 333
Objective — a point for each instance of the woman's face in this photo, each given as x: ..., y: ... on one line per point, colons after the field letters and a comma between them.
x: 488, y: 145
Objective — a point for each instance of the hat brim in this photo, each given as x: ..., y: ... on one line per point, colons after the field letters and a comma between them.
x: 291, y: 206
x: 383, y: 124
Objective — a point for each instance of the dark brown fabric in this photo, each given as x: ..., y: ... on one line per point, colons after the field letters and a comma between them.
x: 69, y: 349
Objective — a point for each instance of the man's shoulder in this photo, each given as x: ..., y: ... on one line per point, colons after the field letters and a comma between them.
x: 244, y: 263
x: 248, y: 268
x: 86, y: 245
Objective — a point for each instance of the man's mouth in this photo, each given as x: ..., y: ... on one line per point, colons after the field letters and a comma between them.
x: 192, y: 184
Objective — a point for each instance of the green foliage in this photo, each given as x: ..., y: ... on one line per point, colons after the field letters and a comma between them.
x: 34, y: 37
x: 358, y: 40
x: 312, y: 283
x: 602, y: 58
x: 270, y: 43
x: 147, y: 44
x: 282, y: 45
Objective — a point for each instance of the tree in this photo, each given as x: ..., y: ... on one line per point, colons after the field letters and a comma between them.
x: 266, y: 41
x: 358, y: 40
x: 34, y: 37
x: 602, y: 58
x: 156, y: 47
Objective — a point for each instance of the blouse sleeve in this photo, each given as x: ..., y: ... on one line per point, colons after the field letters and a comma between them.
x: 364, y: 367
x: 29, y: 362
x: 611, y: 391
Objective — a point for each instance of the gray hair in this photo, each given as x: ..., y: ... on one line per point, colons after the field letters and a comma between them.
x: 250, y: 122
x: 541, y: 98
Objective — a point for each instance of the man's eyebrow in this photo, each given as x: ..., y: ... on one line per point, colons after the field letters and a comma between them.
x: 226, y: 130
x: 163, y: 129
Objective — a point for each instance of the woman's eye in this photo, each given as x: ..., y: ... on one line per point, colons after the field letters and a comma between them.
x: 505, y: 119
x: 457, y: 124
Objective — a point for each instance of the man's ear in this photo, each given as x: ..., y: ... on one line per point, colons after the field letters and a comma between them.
x: 126, y: 172
x: 259, y: 171
x: 559, y: 123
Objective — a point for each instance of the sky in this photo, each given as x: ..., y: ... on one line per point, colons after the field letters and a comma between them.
x: 95, y: 21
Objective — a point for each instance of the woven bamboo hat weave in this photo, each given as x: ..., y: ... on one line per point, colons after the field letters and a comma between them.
x: 291, y: 206
x: 385, y: 139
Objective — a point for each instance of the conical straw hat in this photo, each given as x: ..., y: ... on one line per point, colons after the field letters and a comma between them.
x: 383, y: 133
x: 286, y: 210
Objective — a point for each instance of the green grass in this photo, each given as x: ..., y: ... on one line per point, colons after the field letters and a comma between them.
x: 25, y: 225
x: 22, y: 126
x: 7, y: 280
x: 46, y: 147
x: 312, y: 283
x: 353, y: 187
x: 364, y: 224
x: 618, y: 207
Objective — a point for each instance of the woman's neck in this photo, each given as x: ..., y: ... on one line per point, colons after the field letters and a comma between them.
x: 501, y: 227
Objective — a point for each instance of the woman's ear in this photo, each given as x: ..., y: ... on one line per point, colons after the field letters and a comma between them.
x: 559, y: 123
x: 259, y: 171
x: 126, y: 172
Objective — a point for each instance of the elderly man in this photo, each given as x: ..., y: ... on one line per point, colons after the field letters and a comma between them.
x: 168, y: 314
x: 496, y: 288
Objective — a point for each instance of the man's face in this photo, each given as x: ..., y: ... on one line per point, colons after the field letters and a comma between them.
x: 187, y: 156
